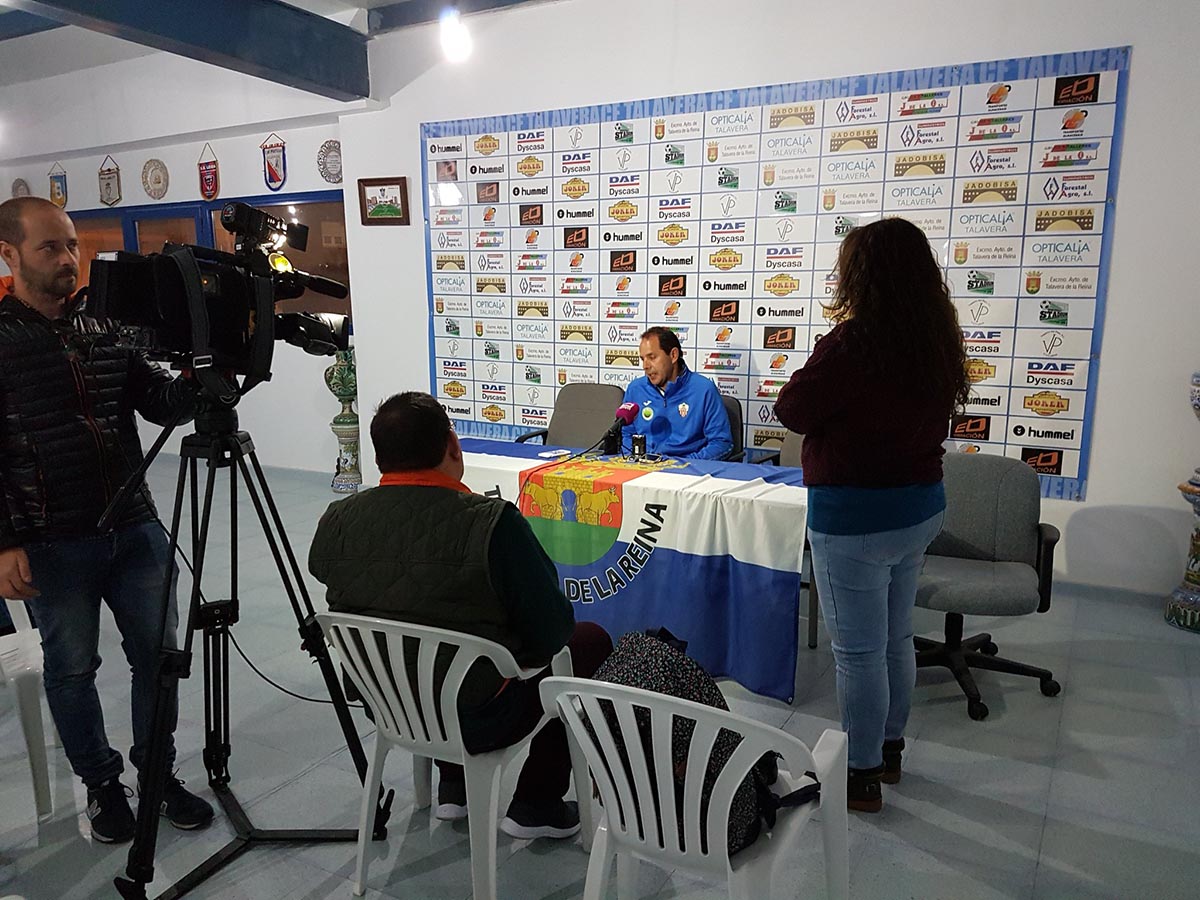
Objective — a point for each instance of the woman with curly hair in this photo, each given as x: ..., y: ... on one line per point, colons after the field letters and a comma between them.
x: 874, y: 403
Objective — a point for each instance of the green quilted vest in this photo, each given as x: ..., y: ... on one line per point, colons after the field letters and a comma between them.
x: 418, y: 554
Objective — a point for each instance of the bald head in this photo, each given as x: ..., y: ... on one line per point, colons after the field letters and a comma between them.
x: 13, y: 212
x: 40, y: 248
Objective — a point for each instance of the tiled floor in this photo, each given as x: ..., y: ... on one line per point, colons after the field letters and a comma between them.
x: 1092, y: 794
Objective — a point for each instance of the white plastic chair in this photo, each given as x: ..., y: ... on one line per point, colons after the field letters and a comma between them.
x: 408, y: 720
x: 628, y: 834
x: 21, y: 663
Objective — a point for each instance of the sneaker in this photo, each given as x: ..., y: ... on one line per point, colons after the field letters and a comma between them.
x: 526, y: 822
x: 182, y: 808
x: 892, y: 752
x: 452, y: 800
x: 863, y: 793
x: 108, y: 810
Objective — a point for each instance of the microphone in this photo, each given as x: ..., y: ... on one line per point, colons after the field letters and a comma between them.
x: 624, y: 415
x: 323, y: 285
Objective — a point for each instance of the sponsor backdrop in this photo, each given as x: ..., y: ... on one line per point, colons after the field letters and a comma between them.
x: 555, y: 238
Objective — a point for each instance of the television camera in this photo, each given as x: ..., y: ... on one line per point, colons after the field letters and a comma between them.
x: 212, y: 312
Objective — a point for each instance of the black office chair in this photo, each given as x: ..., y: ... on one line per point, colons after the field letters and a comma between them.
x: 786, y: 455
x: 582, y: 413
x: 736, y: 428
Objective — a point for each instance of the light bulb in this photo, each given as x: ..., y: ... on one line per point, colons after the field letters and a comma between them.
x: 455, y: 38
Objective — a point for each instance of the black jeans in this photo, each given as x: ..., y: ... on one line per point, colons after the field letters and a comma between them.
x: 515, y: 712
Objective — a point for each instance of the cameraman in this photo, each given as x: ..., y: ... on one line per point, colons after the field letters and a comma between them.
x: 68, y: 440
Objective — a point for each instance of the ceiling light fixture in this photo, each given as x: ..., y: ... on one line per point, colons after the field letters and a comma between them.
x: 455, y: 38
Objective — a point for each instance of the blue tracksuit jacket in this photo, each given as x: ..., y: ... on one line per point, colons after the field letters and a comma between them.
x: 686, y: 420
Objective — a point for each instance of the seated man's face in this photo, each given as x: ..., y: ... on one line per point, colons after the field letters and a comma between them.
x: 657, y: 365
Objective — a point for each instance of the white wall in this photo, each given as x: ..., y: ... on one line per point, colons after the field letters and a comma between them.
x: 1133, y: 529
x: 125, y: 109
x: 157, y: 98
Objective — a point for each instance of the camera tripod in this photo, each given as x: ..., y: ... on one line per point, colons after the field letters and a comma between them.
x: 218, y: 441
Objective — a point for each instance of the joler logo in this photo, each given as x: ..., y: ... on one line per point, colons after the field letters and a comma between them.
x: 1047, y: 403
x: 529, y: 166
x: 725, y: 259
x: 486, y: 145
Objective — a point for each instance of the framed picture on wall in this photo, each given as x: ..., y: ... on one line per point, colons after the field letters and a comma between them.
x: 383, y: 201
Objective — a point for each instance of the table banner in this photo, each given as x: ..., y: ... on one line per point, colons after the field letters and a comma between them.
x: 715, y: 558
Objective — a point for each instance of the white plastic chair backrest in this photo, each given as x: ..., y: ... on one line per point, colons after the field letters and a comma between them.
x: 425, y: 720
x: 21, y: 651
x: 631, y: 785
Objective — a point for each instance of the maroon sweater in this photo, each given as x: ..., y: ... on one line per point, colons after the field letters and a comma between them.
x: 860, y: 429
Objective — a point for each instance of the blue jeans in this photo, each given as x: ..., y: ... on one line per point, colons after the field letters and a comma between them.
x: 867, y: 585
x: 124, y: 569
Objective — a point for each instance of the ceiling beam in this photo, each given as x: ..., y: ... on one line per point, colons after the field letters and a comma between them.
x: 420, y: 12
x: 264, y: 38
x: 17, y: 24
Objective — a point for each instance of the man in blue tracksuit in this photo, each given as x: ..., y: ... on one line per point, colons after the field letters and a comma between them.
x: 681, y: 412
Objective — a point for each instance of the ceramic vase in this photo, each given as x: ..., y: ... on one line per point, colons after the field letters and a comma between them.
x: 342, y: 380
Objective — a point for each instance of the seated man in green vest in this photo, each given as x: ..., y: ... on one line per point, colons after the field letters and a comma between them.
x: 422, y: 548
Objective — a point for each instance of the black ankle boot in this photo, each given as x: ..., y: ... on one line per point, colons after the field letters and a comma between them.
x: 863, y: 793
x: 892, y: 751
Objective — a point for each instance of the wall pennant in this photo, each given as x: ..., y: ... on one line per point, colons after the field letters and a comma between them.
x: 20, y: 188
x: 274, y: 151
x: 210, y: 173
x: 58, y: 185
x: 110, y: 182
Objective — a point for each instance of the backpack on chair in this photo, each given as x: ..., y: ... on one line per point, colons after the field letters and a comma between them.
x: 655, y: 661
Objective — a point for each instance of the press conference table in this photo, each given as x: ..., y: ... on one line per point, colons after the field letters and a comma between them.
x: 710, y: 550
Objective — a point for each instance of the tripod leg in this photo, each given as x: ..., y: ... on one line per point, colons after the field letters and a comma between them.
x: 174, y: 664
x: 310, y: 631
x: 215, y: 617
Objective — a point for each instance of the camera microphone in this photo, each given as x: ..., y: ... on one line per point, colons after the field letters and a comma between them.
x: 326, y: 286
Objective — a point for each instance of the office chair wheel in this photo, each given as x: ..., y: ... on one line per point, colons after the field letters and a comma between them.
x: 1050, y: 687
x: 977, y: 710
x: 989, y: 648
